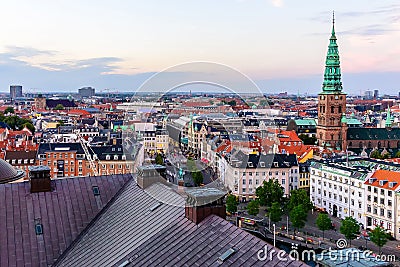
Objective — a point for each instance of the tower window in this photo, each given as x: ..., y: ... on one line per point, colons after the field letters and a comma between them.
x: 340, y: 109
x: 332, y: 109
x: 331, y: 136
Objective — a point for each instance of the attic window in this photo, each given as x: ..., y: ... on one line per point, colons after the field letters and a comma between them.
x: 392, y: 184
x: 96, y: 190
x: 226, y: 255
x: 276, y: 164
x: 250, y: 164
x: 382, y: 182
x: 38, y: 229
x: 262, y: 163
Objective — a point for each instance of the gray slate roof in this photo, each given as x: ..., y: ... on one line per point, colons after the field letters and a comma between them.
x: 136, y: 230
x: 64, y: 214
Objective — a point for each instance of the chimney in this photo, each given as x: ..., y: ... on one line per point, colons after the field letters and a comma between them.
x: 203, y: 202
x: 40, y: 180
x: 150, y: 174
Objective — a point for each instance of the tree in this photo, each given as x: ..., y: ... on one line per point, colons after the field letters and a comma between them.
x: 269, y: 192
x: 397, y: 154
x: 297, y: 197
x: 232, y: 103
x: 350, y: 228
x: 9, y: 110
x: 197, y: 177
x: 375, y: 154
x: 59, y: 107
x: 275, y: 212
x: 379, y: 237
x: 253, y: 207
x: 191, y: 165
x: 324, y: 223
x: 298, y: 217
x: 159, y: 159
x: 231, y: 203
x: 29, y: 126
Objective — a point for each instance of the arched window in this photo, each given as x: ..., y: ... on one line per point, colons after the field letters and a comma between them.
x: 340, y: 109
x: 331, y: 136
x: 332, y: 109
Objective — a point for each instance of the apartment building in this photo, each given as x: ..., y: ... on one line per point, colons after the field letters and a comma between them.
x: 382, y: 200
x: 242, y: 173
x: 339, y: 189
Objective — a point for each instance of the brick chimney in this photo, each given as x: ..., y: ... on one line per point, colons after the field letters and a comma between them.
x: 39, y: 177
x: 203, y: 202
x: 150, y: 174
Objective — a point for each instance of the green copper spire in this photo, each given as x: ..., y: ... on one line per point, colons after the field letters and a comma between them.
x: 388, y: 122
x: 332, y: 76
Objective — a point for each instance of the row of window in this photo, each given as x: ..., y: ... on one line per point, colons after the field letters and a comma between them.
x: 381, y: 211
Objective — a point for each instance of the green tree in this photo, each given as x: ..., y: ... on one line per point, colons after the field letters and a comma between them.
x: 29, y: 126
x: 231, y: 203
x: 197, y: 177
x: 159, y: 159
x: 298, y: 217
x: 275, y: 212
x: 297, y: 197
x: 324, y: 223
x: 350, y: 228
x: 9, y: 110
x: 375, y: 154
x: 232, y: 103
x: 379, y: 237
x: 253, y: 208
x: 59, y: 107
x: 269, y: 192
x: 191, y: 165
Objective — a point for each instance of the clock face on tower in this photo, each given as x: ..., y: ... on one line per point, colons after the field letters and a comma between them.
x: 336, y: 97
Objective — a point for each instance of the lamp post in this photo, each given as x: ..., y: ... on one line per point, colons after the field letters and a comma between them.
x: 287, y: 225
x: 274, y: 235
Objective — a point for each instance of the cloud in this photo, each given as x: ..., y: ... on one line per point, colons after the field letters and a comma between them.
x: 277, y: 3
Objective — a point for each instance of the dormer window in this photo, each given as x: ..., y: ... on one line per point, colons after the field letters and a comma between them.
x: 392, y: 184
x: 382, y: 182
x: 250, y: 164
x: 262, y: 164
x: 115, y: 157
x: 107, y: 157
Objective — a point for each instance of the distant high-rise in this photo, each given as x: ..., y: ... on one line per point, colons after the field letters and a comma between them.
x: 376, y: 93
x: 368, y: 95
x: 15, y: 91
x: 87, y: 92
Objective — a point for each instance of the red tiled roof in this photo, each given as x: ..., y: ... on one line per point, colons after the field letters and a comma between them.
x: 389, y: 176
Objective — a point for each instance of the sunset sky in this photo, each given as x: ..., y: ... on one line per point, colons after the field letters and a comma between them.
x: 280, y: 44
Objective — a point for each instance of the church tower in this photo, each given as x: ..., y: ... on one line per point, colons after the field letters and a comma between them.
x: 331, y: 131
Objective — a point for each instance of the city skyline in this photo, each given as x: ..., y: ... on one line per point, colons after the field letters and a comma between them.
x: 65, y: 46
